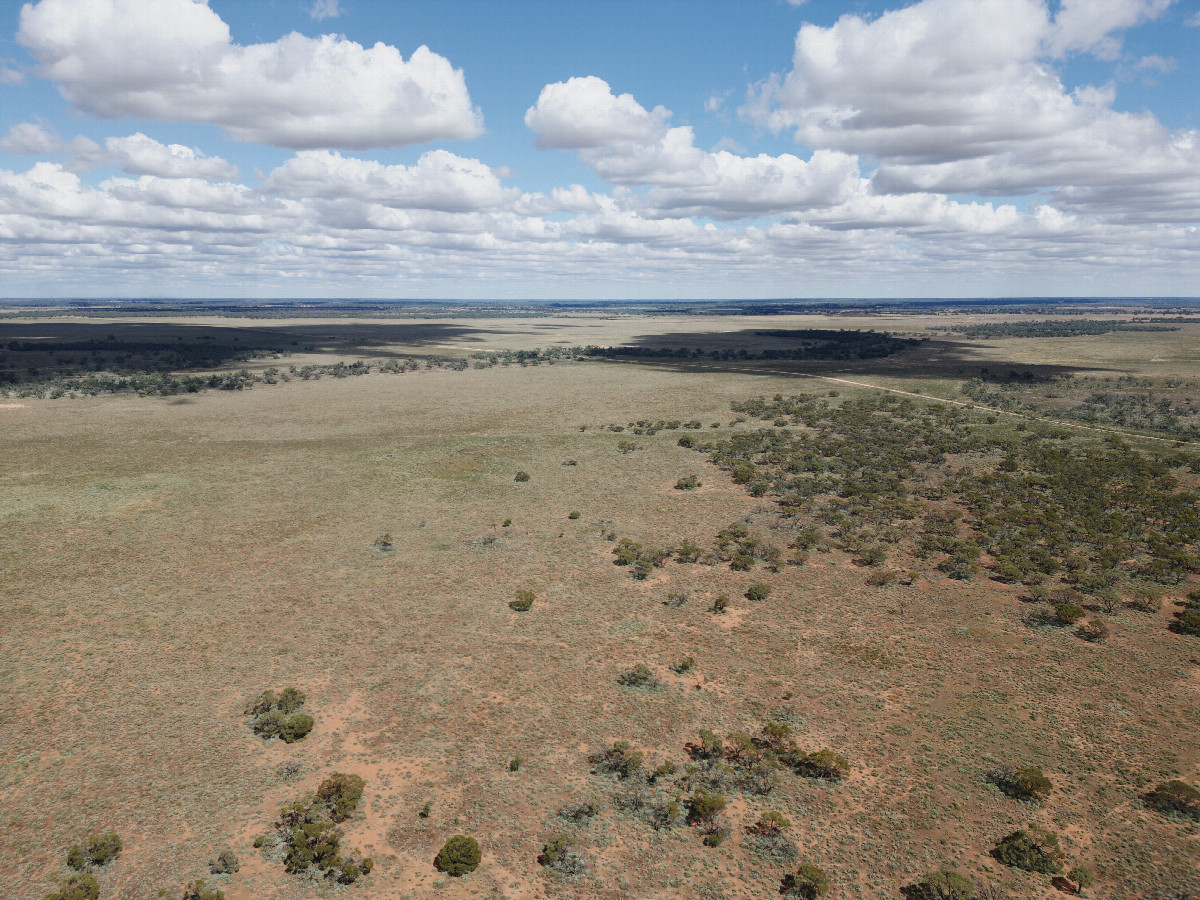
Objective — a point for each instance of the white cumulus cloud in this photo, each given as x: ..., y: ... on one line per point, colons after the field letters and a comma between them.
x: 174, y: 60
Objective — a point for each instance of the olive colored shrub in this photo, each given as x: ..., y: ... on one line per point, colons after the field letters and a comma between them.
x: 99, y: 850
x: 459, y: 856
x: 77, y: 887
x: 1189, y: 622
x: 279, y: 715
x: 687, y: 483
x: 758, y: 591
x: 822, y: 764
x: 685, y: 665
x: 196, y: 890
x: 1025, y: 783
x: 1093, y: 631
x: 226, y: 863
x: 721, y: 604
x: 523, y: 602
x: 1035, y: 850
x: 808, y: 883
x: 341, y: 793
x: 941, y: 885
x: 561, y: 856
x: 1068, y: 613
x: 715, y: 835
x: 521, y: 476
x: 1175, y: 797
x: 573, y: 514
x: 705, y: 805
x: 639, y: 677
x: 1082, y: 876
x: 621, y: 759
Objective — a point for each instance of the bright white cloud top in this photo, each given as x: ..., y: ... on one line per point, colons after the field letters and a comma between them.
x: 943, y: 147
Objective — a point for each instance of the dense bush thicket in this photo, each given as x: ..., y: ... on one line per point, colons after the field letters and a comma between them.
x: 1054, y: 328
x: 1034, y: 850
x: 77, y: 887
x: 807, y: 343
x: 280, y: 716
x: 459, y: 856
x: 1100, y: 517
x: 99, y: 850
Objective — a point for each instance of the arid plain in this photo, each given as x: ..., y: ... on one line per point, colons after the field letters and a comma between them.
x: 164, y: 559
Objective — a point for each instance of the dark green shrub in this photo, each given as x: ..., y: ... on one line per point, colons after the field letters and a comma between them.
x: 1068, y: 613
x: 1175, y: 797
x: 77, y: 887
x: 97, y: 851
x: 685, y: 665
x: 514, y: 764
x: 1093, y: 631
x: 1082, y: 876
x: 688, y: 552
x: 295, y: 727
x: 687, y: 483
x: 741, y: 562
x: 809, y: 883
x: 426, y: 810
x: 821, y: 764
x: 942, y: 885
x: 573, y: 514
x: 639, y: 677
x: 226, y: 863
x: 290, y: 699
x: 266, y: 702
x: 341, y: 793
x: 196, y: 890
x: 1035, y: 850
x: 578, y: 812
x: 620, y: 759
x: 459, y: 856
x: 705, y: 805
x: 721, y: 604
x: 1189, y: 622
x: 522, y: 476
x: 560, y: 855
x: 314, y: 844
x: 260, y: 841
x: 758, y: 591
x: 687, y: 441
x: 1026, y: 783
x: 715, y: 837
x: 524, y: 601
x: 77, y: 859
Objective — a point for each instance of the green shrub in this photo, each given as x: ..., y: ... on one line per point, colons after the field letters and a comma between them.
x: 705, y: 805
x: 821, y: 764
x: 741, y: 562
x: 514, y: 764
x: 578, y: 812
x: 721, y: 604
x: 521, y: 476
x: 715, y: 837
x: 195, y: 890
x: 687, y: 441
x: 341, y: 793
x: 560, y: 855
x: 524, y: 601
x: 1093, y: 631
x: 1189, y: 622
x: 758, y: 591
x: 99, y: 850
x: 77, y: 887
x: 620, y: 759
x: 426, y: 810
x: 1082, y: 876
x: 290, y: 699
x: 640, y: 677
x: 809, y: 883
x: 573, y: 514
x: 226, y: 863
x: 688, y: 552
x: 941, y: 885
x: 685, y: 665
x: 314, y: 844
x: 687, y: 483
x: 459, y: 856
x: 1026, y: 783
x: 295, y: 727
x: 1175, y: 797
x: 1068, y: 613
x: 1035, y: 850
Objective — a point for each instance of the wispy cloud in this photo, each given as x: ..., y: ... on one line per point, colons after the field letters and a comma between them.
x: 325, y: 9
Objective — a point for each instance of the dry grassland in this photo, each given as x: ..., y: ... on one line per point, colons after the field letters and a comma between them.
x: 164, y: 560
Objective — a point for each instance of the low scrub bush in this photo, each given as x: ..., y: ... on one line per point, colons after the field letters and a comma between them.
x: 1093, y: 631
x: 98, y: 850
x: 808, y: 883
x: 279, y: 715
x: 1035, y: 850
x: 758, y: 590
x: 621, y: 759
x: 639, y: 677
x: 523, y: 602
x: 459, y: 856
x: 687, y: 483
x: 705, y: 805
x: 578, y: 812
x: 1026, y: 783
x: 560, y: 855
x: 721, y: 604
x: 942, y: 885
x: 196, y: 890
x: 521, y: 476
x: 226, y: 863
x: 77, y: 887
x: 1068, y: 613
x: 822, y: 764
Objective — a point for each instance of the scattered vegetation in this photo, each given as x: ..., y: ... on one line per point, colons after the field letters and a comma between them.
x: 309, y: 834
x: 560, y: 855
x: 77, y: 887
x: 225, y: 863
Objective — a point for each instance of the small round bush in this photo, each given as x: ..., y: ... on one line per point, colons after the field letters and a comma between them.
x: 1068, y: 613
x: 226, y: 863
x: 458, y: 856
x: 1082, y: 876
x: 290, y: 700
x: 687, y: 483
x: 809, y: 883
x: 942, y: 885
x: 77, y: 887
x: 341, y: 793
x: 522, y: 476
x: 573, y: 514
x: 758, y: 591
x: 524, y: 601
x: 720, y: 604
x: 706, y: 804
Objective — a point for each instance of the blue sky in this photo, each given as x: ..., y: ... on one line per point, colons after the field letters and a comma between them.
x: 599, y: 150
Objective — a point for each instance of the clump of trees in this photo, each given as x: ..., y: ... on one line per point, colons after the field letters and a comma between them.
x: 308, y: 830
x: 280, y: 715
x: 459, y: 856
x: 641, y: 560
